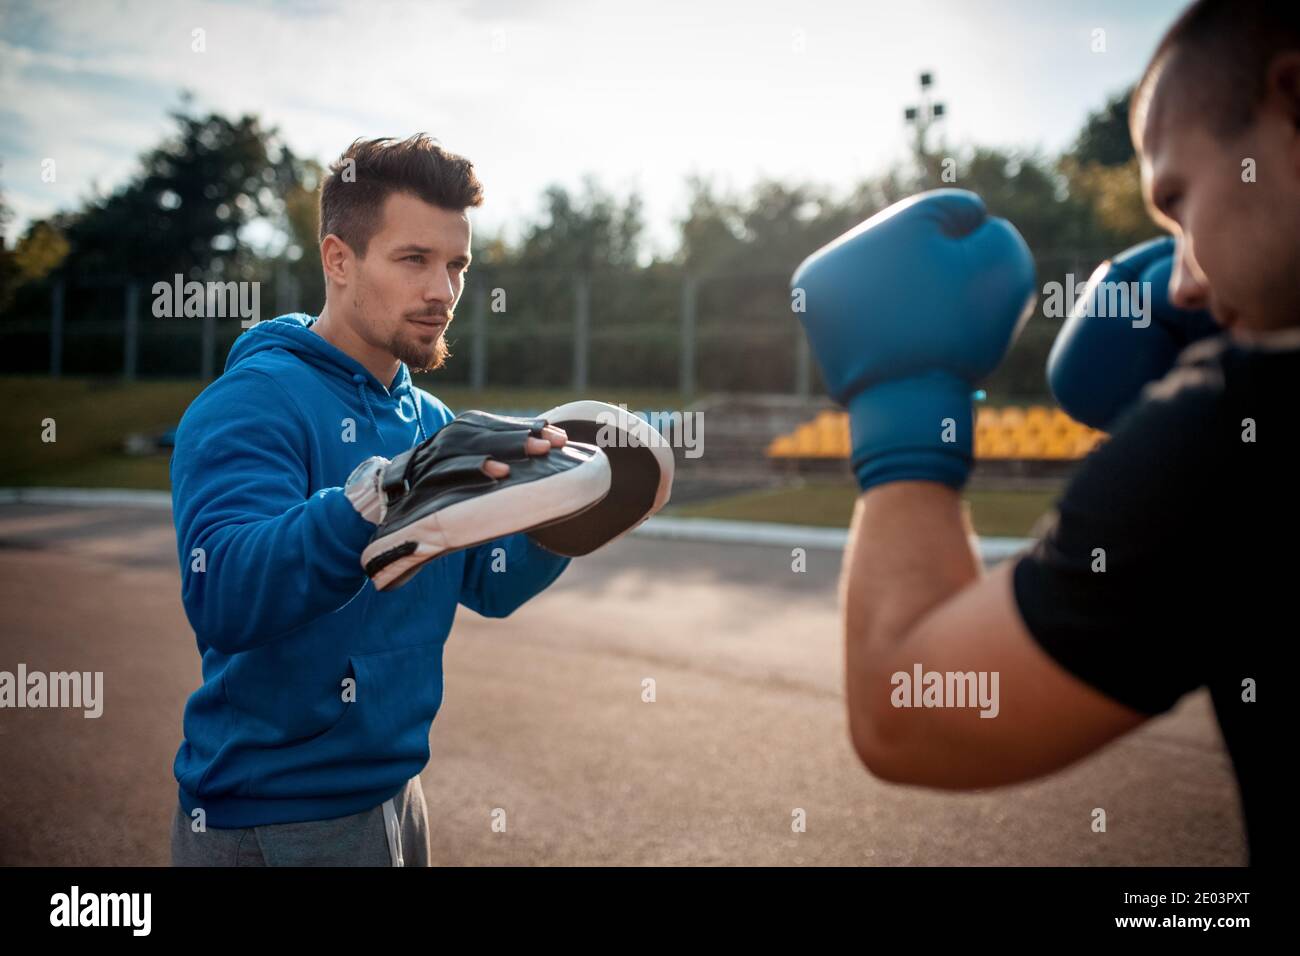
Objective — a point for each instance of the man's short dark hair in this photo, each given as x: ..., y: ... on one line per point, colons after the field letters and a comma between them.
x: 1219, y: 52
x: 369, y: 171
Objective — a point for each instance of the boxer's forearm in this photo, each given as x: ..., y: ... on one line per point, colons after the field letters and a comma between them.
x: 910, y: 549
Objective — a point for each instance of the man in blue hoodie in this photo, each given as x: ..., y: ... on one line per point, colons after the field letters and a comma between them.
x: 305, y: 743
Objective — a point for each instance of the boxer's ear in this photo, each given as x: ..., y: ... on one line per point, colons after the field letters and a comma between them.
x: 1282, y: 96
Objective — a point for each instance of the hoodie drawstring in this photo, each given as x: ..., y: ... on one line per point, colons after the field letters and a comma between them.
x: 364, y: 393
x: 415, y: 399
x: 365, y: 399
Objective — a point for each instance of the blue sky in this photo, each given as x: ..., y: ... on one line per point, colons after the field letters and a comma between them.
x: 640, y: 94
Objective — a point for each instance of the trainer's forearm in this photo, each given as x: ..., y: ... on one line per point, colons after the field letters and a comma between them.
x: 910, y: 548
x: 526, y: 569
x: 265, y: 576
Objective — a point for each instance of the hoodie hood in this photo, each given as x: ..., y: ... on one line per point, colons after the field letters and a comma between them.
x: 293, y: 333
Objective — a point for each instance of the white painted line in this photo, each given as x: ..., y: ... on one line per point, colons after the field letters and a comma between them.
x: 87, y: 497
x: 677, y: 529
x: 788, y: 535
x: 744, y: 532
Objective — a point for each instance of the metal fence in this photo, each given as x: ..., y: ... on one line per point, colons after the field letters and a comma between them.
x: 657, y: 327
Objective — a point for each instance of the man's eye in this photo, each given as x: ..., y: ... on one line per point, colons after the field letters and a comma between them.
x: 414, y: 258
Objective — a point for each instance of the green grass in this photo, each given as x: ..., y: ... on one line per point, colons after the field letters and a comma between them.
x: 93, y: 417
x: 460, y: 399
x: 1007, y: 512
x: 830, y: 504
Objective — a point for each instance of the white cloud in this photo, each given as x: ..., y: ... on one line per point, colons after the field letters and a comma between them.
x: 541, y: 92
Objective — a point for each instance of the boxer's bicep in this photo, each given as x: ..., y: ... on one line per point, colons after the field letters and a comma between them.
x: 976, y: 702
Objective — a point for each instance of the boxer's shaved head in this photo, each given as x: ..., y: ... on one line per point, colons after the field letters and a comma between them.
x: 1216, y: 123
x: 1212, y: 65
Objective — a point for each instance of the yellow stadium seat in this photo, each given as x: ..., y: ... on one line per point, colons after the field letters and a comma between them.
x: 1011, y: 432
x: 1085, y: 444
x: 1038, y: 416
x: 783, y: 446
x: 1059, y: 448
x: 1011, y: 416
x: 1002, y: 447
x: 806, y: 436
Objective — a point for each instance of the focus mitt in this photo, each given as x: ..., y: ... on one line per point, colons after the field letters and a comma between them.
x: 435, y: 498
x: 641, y: 476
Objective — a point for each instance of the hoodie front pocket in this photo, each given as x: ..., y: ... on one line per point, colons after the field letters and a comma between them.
x: 398, y: 694
x: 381, y: 739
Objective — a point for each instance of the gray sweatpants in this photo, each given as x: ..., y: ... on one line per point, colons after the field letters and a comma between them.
x: 395, y: 833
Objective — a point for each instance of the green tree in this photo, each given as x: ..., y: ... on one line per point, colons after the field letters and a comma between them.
x: 298, y: 263
x: 8, y: 267
x: 1105, y: 138
x: 769, y: 229
x: 1112, y: 197
x: 1026, y: 189
x: 39, y: 251
x: 584, y: 232
x: 6, y: 217
x: 186, y: 209
x: 1102, y: 173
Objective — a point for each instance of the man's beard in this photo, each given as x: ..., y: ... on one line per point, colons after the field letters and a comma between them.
x: 418, y: 356
x: 415, y: 355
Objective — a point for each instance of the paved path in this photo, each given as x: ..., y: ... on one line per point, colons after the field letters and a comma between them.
x: 544, y: 719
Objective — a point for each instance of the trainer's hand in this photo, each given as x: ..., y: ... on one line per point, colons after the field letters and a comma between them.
x: 905, y: 314
x: 552, y: 438
x: 1123, y: 334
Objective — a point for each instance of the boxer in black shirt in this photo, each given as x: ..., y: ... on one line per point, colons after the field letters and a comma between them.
x: 1167, y: 564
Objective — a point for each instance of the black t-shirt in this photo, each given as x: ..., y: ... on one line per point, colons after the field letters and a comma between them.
x: 1192, y: 507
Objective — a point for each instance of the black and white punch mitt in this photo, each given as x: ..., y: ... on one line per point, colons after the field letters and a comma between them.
x: 641, y: 466
x: 435, y: 498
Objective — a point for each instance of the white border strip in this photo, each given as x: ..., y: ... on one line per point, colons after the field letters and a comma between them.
x: 788, y: 535
x: 710, y: 530
x: 87, y: 497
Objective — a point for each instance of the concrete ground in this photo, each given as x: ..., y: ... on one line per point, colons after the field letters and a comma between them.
x: 544, y: 719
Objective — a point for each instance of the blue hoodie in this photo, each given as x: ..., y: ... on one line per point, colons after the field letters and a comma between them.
x: 318, y: 691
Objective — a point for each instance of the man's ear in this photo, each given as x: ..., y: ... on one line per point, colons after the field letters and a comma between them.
x: 1283, y: 81
x: 1282, y: 94
x: 336, y: 259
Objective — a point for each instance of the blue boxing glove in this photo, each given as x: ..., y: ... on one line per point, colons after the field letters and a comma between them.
x: 906, y: 313
x: 1122, y: 334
